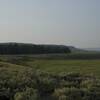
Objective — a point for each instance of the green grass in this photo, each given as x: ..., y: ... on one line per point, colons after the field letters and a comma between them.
x: 18, y: 74
x: 57, y: 66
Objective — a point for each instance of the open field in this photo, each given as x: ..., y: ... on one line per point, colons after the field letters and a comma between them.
x: 49, y: 63
x: 57, y: 66
x: 28, y: 77
x: 74, y: 55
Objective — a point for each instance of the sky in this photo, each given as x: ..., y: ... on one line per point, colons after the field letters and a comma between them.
x: 66, y: 22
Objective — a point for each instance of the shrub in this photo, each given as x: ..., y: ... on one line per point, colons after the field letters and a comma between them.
x: 28, y: 94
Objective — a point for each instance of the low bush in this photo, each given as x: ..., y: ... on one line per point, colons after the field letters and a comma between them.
x: 28, y: 84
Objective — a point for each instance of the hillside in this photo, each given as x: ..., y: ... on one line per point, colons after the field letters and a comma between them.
x: 77, y: 50
x: 22, y: 48
x: 93, y: 49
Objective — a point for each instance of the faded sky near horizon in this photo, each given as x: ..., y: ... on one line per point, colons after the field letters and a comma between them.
x: 68, y: 22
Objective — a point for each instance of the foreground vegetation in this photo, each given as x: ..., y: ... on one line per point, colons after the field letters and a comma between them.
x: 25, y: 83
x: 30, y: 78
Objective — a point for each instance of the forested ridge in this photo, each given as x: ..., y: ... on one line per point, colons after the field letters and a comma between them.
x: 22, y: 48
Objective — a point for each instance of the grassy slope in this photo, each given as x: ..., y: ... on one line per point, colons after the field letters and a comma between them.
x: 12, y: 68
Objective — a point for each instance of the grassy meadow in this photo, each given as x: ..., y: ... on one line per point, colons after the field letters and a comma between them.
x: 50, y: 77
x: 60, y: 66
x: 58, y: 63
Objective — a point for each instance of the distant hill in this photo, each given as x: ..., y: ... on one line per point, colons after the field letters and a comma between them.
x: 77, y: 50
x: 24, y: 48
x: 92, y: 49
x: 83, y: 50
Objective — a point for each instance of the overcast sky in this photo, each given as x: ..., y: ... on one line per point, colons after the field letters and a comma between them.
x: 68, y: 22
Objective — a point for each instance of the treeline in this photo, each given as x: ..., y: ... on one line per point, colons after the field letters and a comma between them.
x: 21, y: 48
